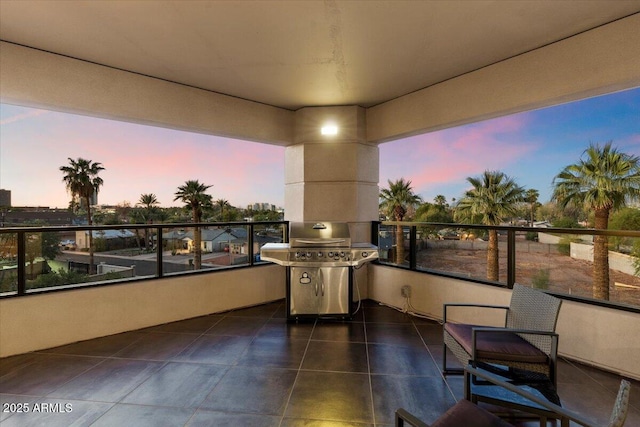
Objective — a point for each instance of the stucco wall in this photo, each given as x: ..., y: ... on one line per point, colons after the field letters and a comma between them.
x: 617, y: 261
x: 39, y: 79
x: 603, y: 60
x: 48, y: 320
x: 595, y: 62
x: 599, y: 336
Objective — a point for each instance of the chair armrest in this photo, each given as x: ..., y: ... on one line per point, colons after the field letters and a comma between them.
x: 474, y: 332
x: 564, y: 414
x: 403, y: 415
x: 491, y: 329
x: 447, y: 305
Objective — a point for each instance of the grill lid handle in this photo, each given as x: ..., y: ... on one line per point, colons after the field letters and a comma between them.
x: 320, y: 241
x: 319, y: 226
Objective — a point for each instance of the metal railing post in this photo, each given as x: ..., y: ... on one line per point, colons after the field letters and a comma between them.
x: 250, y: 245
x: 375, y: 232
x: 22, y: 261
x: 413, y: 242
x: 511, y: 258
x: 159, y: 247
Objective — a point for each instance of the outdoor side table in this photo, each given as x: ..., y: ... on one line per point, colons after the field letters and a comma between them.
x: 480, y: 390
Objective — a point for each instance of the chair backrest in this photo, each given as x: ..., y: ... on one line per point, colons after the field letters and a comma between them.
x: 620, y: 408
x: 534, y: 310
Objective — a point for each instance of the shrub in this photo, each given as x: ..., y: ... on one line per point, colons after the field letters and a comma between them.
x: 564, y: 247
x: 58, y: 278
x: 540, y: 279
x: 635, y: 253
x: 566, y: 222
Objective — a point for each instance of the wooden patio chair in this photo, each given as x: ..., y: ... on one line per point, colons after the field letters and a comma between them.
x: 527, y: 341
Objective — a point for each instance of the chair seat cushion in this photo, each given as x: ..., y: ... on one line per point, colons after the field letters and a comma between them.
x: 466, y: 414
x: 496, y: 345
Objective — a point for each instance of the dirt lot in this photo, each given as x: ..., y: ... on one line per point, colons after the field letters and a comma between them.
x: 566, y: 275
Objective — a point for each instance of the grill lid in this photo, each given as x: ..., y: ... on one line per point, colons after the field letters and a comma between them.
x: 319, y: 234
x: 319, y: 244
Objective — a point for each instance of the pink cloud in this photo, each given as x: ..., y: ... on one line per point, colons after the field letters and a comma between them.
x: 137, y: 159
x: 452, y: 155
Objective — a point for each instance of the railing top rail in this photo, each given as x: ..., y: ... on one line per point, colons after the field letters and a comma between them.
x: 41, y: 229
x: 593, y: 231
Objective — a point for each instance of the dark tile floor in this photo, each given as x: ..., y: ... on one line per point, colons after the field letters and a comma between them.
x: 250, y: 367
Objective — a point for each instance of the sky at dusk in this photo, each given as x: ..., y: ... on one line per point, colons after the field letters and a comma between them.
x: 531, y: 147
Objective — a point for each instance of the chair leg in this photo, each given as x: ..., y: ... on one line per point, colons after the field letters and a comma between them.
x: 403, y: 415
x: 444, y: 359
x: 449, y: 371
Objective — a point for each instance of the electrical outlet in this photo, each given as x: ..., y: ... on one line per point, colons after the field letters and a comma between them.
x: 405, y: 291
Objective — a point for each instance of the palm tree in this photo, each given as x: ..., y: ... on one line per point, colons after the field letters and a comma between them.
x: 221, y: 204
x: 82, y: 181
x: 396, y: 200
x: 192, y: 193
x: 531, y: 197
x: 440, y: 200
x: 149, y: 202
x: 493, y: 198
x: 603, y: 180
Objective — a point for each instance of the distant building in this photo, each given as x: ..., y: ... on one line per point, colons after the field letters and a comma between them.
x: 542, y: 224
x: 94, y: 200
x: 5, y: 198
x: 106, y: 240
x: 262, y: 207
x: 38, y: 216
x: 217, y: 240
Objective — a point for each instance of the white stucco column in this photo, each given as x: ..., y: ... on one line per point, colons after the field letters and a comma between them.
x: 332, y: 177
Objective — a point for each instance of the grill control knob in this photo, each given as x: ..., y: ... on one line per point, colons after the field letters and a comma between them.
x: 320, y: 254
x: 308, y: 254
x: 341, y: 254
x: 330, y: 254
x: 365, y: 254
x: 298, y: 254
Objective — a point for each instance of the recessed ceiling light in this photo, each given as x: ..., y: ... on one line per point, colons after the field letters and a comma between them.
x: 329, y: 129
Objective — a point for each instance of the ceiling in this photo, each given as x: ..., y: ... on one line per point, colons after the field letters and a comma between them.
x: 293, y: 54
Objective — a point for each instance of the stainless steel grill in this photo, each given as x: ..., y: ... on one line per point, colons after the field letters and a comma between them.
x: 320, y: 259
x: 326, y: 244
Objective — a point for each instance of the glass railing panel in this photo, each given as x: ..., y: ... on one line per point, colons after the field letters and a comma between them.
x: 121, y: 254
x: 56, y: 259
x: 266, y: 233
x: 563, y: 263
x: 624, y: 270
x: 460, y: 252
x: 393, y: 244
x: 220, y: 246
x: 544, y: 261
x: 179, y: 250
x: 385, y: 243
x: 239, y: 252
x: 47, y: 264
x: 8, y: 263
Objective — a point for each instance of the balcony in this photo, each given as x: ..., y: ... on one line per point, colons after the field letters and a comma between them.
x: 212, y: 346
x: 250, y: 367
x: 334, y: 180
